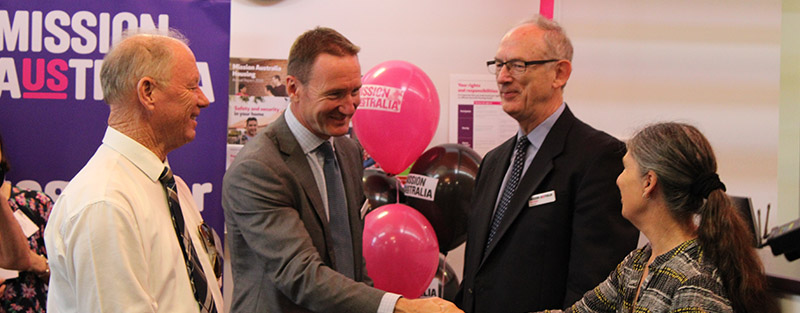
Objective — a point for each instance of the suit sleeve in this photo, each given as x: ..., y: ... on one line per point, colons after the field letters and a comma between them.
x: 261, y: 199
x: 601, y: 237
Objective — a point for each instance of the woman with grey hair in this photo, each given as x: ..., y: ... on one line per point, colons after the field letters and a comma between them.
x: 699, y: 258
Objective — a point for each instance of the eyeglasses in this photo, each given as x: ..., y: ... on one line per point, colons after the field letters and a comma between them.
x: 212, y: 246
x: 514, y: 66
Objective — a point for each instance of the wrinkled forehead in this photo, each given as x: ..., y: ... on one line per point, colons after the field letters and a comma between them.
x: 184, y: 62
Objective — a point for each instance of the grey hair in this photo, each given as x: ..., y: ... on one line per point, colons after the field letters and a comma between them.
x: 139, y: 53
x: 678, y: 153
x: 558, y: 44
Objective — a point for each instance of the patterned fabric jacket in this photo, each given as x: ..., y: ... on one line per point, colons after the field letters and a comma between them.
x: 677, y: 281
x: 28, y: 293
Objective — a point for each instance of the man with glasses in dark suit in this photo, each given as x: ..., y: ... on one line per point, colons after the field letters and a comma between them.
x: 546, y: 225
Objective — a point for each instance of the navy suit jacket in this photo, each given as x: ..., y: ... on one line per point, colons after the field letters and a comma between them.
x: 547, y: 256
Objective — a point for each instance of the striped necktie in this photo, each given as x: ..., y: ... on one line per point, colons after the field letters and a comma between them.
x: 196, y: 275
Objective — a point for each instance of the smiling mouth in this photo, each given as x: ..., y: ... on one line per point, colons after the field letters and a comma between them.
x: 508, y: 93
x: 338, y: 117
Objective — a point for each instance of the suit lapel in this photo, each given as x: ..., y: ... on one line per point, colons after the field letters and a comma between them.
x: 540, y: 167
x: 296, y: 161
x: 496, y: 167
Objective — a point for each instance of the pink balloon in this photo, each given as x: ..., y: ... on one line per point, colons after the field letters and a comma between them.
x: 398, y: 114
x: 401, y: 250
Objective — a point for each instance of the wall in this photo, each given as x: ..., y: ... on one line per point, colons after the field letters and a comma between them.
x: 715, y: 66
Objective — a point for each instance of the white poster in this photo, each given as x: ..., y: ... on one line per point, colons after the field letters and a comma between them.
x: 256, y: 97
x: 476, y: 115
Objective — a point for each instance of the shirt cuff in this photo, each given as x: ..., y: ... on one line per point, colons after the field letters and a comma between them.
x: 388, y: 302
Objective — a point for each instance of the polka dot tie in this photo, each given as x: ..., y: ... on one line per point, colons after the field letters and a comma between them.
x: 511, y: 185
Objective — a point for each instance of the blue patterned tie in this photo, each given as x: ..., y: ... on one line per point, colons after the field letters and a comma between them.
x: 337, y: 210
x: 511, y: 185
x: 196, y: 275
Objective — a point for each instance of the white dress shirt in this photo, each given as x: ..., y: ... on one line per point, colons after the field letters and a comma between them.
x: 111, y: 241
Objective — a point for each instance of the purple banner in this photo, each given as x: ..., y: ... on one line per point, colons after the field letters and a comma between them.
x: 53, y: 116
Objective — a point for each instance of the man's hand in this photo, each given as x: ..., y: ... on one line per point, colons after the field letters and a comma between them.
x: 424, y: 305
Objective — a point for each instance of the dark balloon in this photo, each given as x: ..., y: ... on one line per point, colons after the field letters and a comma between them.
x: 455, y: 167
x: 380, y: 189
x: 445, y: 283
x: 447, y: 274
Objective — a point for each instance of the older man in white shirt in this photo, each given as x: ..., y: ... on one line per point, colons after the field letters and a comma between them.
x: 124, y: 235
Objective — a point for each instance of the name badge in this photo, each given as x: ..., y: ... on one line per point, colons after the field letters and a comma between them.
x: 542, y: 198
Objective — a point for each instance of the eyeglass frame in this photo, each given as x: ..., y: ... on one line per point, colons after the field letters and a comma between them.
x: 500, y: 64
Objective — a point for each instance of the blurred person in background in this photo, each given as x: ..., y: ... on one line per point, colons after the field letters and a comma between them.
x: 276, y: 88
x: 28, y: 291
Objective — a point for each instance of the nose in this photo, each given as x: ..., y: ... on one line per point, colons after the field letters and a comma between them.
x: 202, y: 100
x: 503, y: 74
x: 350, y: 104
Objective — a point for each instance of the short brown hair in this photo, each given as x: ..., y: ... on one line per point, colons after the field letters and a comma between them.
x: 312, y: 43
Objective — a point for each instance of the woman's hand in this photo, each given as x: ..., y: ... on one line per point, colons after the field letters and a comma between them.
x: 39, y: 266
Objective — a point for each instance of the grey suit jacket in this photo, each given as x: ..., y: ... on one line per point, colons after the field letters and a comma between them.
x: 281, y: 251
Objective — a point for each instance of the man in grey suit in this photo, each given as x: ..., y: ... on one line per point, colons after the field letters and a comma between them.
x: 292, y: 197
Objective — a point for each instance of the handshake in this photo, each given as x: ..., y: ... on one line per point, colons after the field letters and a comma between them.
x: 425, y: 305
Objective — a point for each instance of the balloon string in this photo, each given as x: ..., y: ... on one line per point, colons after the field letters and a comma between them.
x: 443, y: 269
x: 397, y: 190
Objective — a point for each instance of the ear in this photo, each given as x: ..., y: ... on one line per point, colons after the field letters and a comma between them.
x: 649, y: 182
x: 144, y: 91
x: 293, y: 88
x: 563, y: 71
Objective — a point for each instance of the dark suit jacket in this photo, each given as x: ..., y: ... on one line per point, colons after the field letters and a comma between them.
x: 547, y: 256
x: 278, y: 232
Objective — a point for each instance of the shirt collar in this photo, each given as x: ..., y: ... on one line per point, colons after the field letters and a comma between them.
x: 144, y: 159
x: 538, y: 134
x: 307, y: 140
